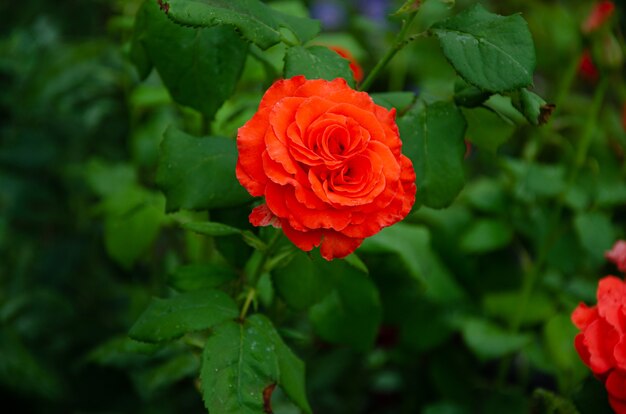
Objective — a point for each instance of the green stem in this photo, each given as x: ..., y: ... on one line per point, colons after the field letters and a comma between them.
x: 257, y: 272
x: 398, y: 45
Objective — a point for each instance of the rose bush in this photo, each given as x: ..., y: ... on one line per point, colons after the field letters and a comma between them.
x: 601, y: 343
x: 328, y: 161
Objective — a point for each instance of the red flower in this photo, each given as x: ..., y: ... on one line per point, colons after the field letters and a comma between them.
x: 600, y: 14
x: 601, y: 343
x: 586, y: 68
x: 345, y: 53
x: 617, y: 255
x: 329, y: 163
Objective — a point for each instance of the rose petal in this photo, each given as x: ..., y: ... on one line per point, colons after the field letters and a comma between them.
x: 616, y: 384
x: 581, y: 348
x: 611, y: 296
x: 262, y: 216
x: 336, y: 246
x: 619, y: 406
x: 582, y: 316
x: 600, y: 339
x: 305, y: 240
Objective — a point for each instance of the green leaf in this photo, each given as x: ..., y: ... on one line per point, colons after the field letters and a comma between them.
x: 303, y: 282
x: 167, y: 319
x: 352, y: 313
x: 130, y: 230
x: 412, y: 245
x: 536, y: 110
x: 559, y: 333
x: 199, y: 66
x: 151, y: 380
x: 291, y: 368
x: 317, y: 62
x: 239, y: 362
x: 255, y: 21
x: 486, y: 235
x: 199, y: 173
x: 265, y: 289
x: 122, y: 352
x: 495, y: 53
x: 210, y: 228
x: 486, y: 129
x: 505, y: 305
x: 489, y: 341
x: 200, y: 276
x: 433, y: 138
x: 399, y: 100
x: 596, y: 234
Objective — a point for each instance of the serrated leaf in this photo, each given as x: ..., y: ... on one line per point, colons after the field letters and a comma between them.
x: 199, y: 66
x: 200, y: 276
x: 255, y: 21
x: 239, y: 362
x: 199, y: 173
x: 291, y: 368
x: 495, y: 53
x: 433, y: 138
x: 488, y: 340
x: 317, y: 62
x: 167, y: 319
x: 210, y: 228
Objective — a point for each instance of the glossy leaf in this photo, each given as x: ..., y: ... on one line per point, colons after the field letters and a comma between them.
x: 167, y: 319
x: 433, y: 138
x: 317, y: 62
x: 199, y: 66
x: 495, y: 53
x: 255, y: 21
x: 238, y: 363
x: 198, y: 173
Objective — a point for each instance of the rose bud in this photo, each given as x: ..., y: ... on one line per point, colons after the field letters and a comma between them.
x: 617, y: 255
x: 586, y: 68
x: 328, y: 161
x: 600, y: 14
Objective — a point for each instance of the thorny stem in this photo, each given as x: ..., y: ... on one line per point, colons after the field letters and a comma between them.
x: 400, y: 43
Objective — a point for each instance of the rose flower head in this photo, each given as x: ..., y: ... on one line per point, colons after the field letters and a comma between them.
x: 601, y: 343
x: 354, y: 65
x: 617, y: 255
x: 328, y: 161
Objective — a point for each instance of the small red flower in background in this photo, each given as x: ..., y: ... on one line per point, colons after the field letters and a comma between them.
x: 586, y: 68
x: 354, y: 66
x: 617, y: 255
x: 601, y: 344
x: 600, y: 14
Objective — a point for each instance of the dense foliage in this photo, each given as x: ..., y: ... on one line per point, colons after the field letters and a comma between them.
x: 131, y: 279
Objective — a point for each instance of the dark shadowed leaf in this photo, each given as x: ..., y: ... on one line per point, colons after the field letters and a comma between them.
x: 199, y: 173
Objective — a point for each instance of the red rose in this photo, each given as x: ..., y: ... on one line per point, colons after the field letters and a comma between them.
x: 617, y: 255
x: 601, y: 343
x: 354, y: 66
x: 328, y: 161
x: 601, y: 12
x: 586, y: 68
